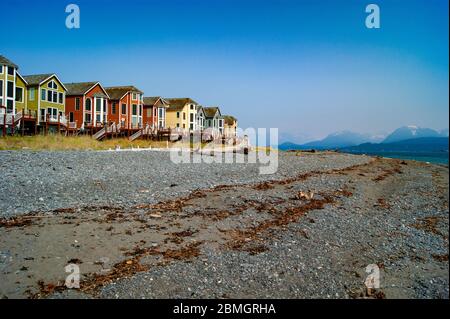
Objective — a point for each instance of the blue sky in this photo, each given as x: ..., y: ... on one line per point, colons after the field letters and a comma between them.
x: 307, y: 67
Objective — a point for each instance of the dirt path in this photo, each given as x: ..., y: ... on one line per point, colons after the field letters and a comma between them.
x: 111, y: 243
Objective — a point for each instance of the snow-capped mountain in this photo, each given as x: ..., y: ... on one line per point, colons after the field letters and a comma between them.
x: 410, y: 132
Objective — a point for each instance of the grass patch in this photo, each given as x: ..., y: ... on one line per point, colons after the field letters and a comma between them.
x: 67, y: 143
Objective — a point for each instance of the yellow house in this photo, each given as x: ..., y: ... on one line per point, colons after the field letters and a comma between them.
x: 230, y: 125
x: 13, y: 87
x: 182, y: 113
x: 46, y: 95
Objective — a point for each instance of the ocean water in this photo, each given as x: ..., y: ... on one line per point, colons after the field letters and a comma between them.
x: 431, y: 157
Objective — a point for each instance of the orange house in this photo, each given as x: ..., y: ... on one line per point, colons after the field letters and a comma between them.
x: 155, y: 111
x: 126, y: 106
x: 86, y: 104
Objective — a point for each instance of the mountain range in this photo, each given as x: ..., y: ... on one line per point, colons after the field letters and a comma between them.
x: 346, y: 139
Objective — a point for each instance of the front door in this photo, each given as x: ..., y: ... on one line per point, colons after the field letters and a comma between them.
x: 71, y: 117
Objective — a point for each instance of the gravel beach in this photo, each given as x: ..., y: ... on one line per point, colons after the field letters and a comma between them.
x: 140, y: 226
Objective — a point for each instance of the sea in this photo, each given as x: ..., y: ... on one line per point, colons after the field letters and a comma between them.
x: 430, y: 157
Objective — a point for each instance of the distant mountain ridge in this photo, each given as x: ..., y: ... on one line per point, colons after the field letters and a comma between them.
x: 340, y: 139
x: 415, y: 145
x: 411, y: 132
x: 346, y: 139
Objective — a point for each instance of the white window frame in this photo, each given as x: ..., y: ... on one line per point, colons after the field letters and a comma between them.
x: 31, y: 94
x: 21, y: 99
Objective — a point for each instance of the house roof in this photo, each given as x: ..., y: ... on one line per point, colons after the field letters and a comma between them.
x: 152, y: 100
x: 117, y: 92
x: 230, y: 120
x: 7, y: 62
x: 211, y: 111
x: 179, y: 103
x: 78, y: 88
x: 37, y: 79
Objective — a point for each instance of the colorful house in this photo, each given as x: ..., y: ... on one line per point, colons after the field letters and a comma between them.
x: 182, y: 113
x: 46, y: 96
x: 13, y: 88
x: 155, y: 111
x: 126, y: 106
x: 213, y: 119
x: 87, y: 104
x: 229, y: 126
x: 200, y: 118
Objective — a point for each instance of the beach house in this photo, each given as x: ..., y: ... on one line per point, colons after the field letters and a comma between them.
x: 87, y: 105
x: 182, y: 113
x: 46, y: 96
x: 155, y: 111
x: 230, y: 124
x: 13, y: 87
x: 126, y: 106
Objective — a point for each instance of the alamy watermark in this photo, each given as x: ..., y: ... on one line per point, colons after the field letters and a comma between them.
x: 373, y: 19
x: 256, y: 146
x: 73, y: 19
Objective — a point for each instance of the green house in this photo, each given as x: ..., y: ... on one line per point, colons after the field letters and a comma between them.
x: 13, y: 87
x: 46, y: 95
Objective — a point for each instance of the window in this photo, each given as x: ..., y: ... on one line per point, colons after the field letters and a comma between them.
x: 191, y: 126
x: 19, y: 94
x: 178, y: 124
x: 134, y: 109
x: 178, y: 115
x: 113, y: 108
x: 87, y: 117
x: 31, y: 94
x: 104, y: 105
x: 52, y: 85
x: 60, y: 98
x: 1, y: 88
x: 184, y: 116
x: 10, y: 70
x: 98, y: 104
x: 1, y: 69
x: 134, y: 96
x: 55, y: 97
x: 124, y: 109
x: 77, y: 104
x: 88, y: 104
x: 49, y: 96
x: 10, y: 89
x: 192, y: 106
x: 98, y: 118
x: 191, y: 117
x: 9, y: 106
x: 43, y: 94
x: 71, y: 117
x: 184, y: 125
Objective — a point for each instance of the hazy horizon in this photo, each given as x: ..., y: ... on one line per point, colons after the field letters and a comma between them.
x: 306, y: 68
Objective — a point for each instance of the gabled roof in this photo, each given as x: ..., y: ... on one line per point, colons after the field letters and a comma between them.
x: 25, y: 81
x: 152, y: 100
x: 118, y: 92
x: 7, y: 62
x: 79, y: 88
x: 179, y: 103
x: 38, y: 79
x: 211, y: 111
x: 82, y: 88
x: 230, y: 120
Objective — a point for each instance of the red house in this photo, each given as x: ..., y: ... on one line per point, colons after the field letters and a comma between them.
x: 126, y: 106
x: 155, y: 111
x: 86, y: 105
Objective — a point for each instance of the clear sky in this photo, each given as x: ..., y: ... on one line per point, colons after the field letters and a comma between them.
x: 307, y: 67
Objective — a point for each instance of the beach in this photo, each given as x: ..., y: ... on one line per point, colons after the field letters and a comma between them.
x: 139, y: 226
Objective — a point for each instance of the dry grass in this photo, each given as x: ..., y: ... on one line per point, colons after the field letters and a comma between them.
x: 63, y: 143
